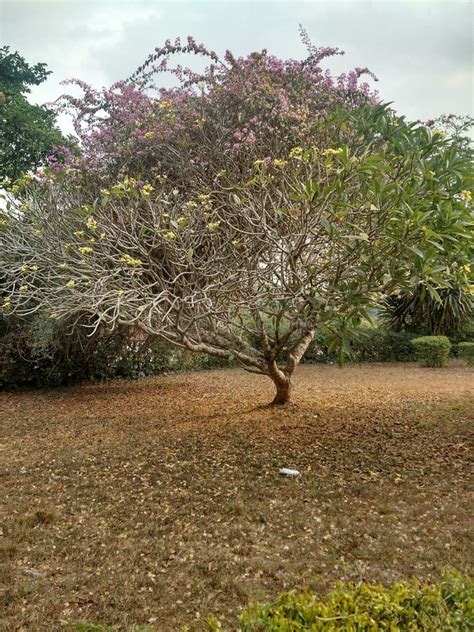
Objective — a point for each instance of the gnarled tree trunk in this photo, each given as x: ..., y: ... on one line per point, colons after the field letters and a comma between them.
x: 283, y: 391
x: 282, y: 381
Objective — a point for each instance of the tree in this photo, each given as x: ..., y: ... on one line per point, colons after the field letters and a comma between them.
x: 237, y: 213
x: 238, y: 111
x: 307, y: 243
x: 27, y: 132
x: 444, y: 311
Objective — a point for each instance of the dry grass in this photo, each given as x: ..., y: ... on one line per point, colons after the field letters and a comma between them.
x: 159, y: 501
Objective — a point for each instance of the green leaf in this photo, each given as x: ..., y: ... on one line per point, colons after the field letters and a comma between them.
x: 417, y: 251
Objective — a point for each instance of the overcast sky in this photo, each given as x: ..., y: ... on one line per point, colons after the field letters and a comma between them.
x: 421, y: 50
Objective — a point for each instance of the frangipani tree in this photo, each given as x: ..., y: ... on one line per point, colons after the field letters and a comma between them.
x: 307, y: 241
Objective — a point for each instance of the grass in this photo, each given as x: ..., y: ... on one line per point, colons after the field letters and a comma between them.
x: 153, y: 503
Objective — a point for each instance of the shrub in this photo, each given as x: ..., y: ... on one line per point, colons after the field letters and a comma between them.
x: 446, y: 606
x: 466, y: 351
x: 37, y: 352
x: 370, y: 345
x: 432, y: 350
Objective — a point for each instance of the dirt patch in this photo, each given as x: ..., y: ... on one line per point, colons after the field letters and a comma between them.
x: 159, y: 501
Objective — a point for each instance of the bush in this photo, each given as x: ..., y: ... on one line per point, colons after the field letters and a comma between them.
x: 446, y: 606
x: 36, y: 352
x: 370, y: 345
x: 432, y: 350
x: 466, y: 352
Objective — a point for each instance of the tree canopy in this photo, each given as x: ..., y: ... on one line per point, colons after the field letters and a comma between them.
x: 27, y: 132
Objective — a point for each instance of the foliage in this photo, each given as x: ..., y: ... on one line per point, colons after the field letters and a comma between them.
x: 447, y: 311
x: 432, y: 350
x: 238, y: 111
x: 466, y: 351
x: 36, y: 352
x: 228, y: 234
x: 448, y: 605
x: 28, y: 132
x: 367, y: 345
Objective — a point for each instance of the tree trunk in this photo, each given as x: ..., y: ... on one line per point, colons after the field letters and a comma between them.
x: 283, y: 390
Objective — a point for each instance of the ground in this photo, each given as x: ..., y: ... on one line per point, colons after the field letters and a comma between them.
x: 159, y: 501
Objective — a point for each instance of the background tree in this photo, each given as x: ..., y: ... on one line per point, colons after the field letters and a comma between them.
x: 235, y: 112
x: 307, y: 242
x: 448, y: 311
x: 28, y: 132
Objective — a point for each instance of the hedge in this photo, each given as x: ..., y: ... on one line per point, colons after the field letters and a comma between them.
x: 432, y: 351
x: 447, y: 606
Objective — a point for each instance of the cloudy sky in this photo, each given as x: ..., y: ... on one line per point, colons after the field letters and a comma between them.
x: 421, y: 50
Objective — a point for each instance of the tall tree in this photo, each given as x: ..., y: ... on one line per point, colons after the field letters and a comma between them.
x: 239, y: 213
x: 27, y: 132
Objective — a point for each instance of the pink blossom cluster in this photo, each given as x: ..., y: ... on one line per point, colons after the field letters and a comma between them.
x: 239, y: 109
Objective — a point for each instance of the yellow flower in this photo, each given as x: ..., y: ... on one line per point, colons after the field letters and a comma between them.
x: 280, y: 163
x: 295, y: 152
x: 79, y: 234
x: 24, y: 268
x: 24, y: 289
x: 105, y: 192
x: 34, y: 268
x: 148, y: 134
x: 91, y: 223
x: 71, y: 284
x: 191, y: 204
x: 332, y: 152
x: 170, y: 235
x: 466, y: 268
x: 182, y: 222
x: 147, y: 189
x: 214, y: 226
x: 175, y: 192
x: 203, y: 197
x: 130, y: 261
x: 85, y: 250
x: 63, y: 266
x: 466, y: 195
x: 120, y: 292
x: 257, y: 163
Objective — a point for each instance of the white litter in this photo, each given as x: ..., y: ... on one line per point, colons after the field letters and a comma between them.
x: 286, y: 471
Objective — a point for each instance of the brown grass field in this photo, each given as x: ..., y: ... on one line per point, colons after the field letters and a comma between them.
x: 157, y: 502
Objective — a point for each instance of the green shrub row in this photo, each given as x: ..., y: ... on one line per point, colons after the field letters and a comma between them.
x: 446, y: 606
x: 369, y: 345
x: 35, y: 353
